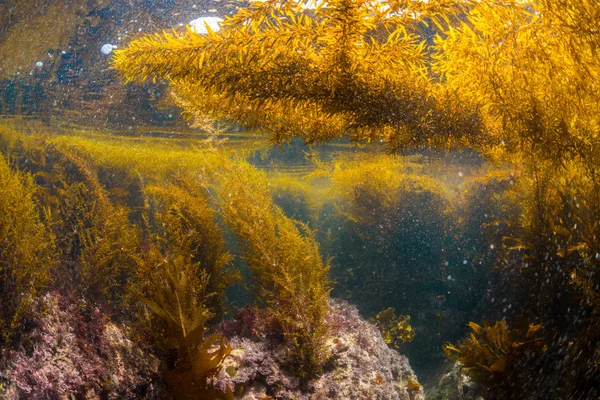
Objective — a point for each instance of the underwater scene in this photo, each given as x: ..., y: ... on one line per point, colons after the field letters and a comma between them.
x: 300, y: 199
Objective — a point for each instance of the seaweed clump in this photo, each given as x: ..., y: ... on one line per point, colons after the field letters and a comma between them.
x: 289, y: 276
x: 180, y: 223
x: 167, y: 251
x: 497, y: 358
x: 395, y: 330
x: 27, y: 252
x: 391, y: 235
x: 178, y: 299
x: 182, y: 277
x: 95, y: 244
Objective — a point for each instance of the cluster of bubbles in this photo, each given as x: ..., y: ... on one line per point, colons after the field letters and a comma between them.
x: 200, y: 24
x: 107, y: 48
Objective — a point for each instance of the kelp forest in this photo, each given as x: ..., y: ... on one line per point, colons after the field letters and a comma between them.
x: 300, y: 199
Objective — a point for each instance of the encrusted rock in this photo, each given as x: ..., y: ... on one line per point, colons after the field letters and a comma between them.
x: 454, y: 385
x: 362, y: 366
x: 75, y: 352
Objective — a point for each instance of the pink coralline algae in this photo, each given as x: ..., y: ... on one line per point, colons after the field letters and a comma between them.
x: 74, y: 352
x: 362, y: 366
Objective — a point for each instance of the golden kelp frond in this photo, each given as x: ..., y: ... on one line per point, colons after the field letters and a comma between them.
x: 157, y: 51
x: 493, y: 352
x: 289, y: 275
x: 534, y: 76
x: 281, y: 120
x: 176, y: 294
x: 486, y: 350
x: 27, y: 253
x: 357, y: 63
x: 576, y: 21
x: 183, y: 224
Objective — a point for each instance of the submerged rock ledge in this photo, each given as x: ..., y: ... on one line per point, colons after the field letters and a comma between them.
x: 362, y: 365
x: 86, y: 355
x: 74, y: 351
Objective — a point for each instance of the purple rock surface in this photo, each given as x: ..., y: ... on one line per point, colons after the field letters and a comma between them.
x: 75, y: 352
x: 362, y: 366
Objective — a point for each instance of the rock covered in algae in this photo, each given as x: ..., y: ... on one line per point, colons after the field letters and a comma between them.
x: 362, y: 366
x: 74, y: 351
x: 453, y: 384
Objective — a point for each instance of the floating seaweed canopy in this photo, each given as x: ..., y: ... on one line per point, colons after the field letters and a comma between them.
x: 315, y: 69
x: 532, y: 69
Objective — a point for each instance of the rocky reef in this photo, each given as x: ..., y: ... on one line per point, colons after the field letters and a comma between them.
x: 74, y: 351
x: 361, y: 366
